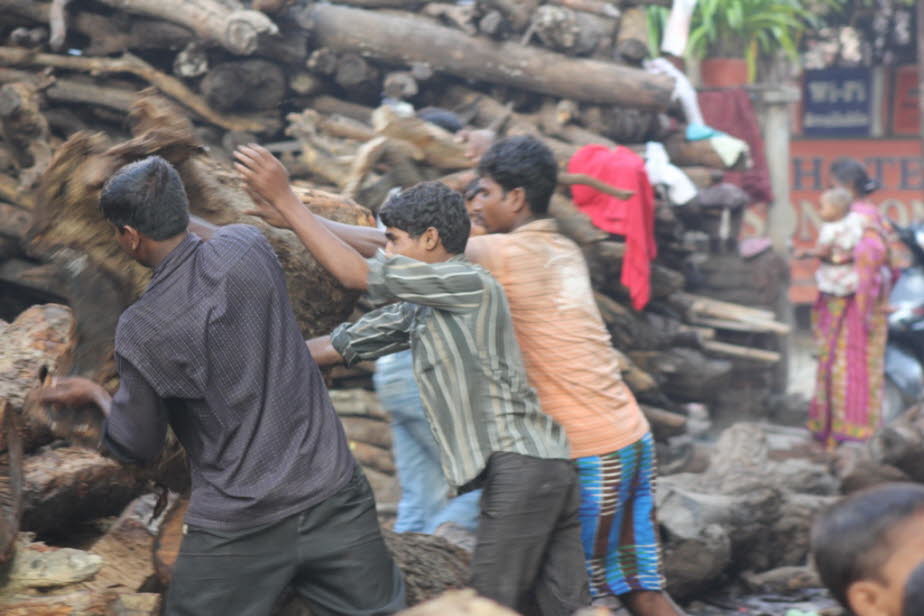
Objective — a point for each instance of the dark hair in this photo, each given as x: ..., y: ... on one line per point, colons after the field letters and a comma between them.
x: 850, y: 540
x: 443, y: 118
x: 913, y: 598
x: 149, y: 196
x: 851, y: 173
x: 429, y: 204
x: 471, y: 189
x: 523, y: 162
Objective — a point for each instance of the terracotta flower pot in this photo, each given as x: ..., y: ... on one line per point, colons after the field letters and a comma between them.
x: 724, y: 72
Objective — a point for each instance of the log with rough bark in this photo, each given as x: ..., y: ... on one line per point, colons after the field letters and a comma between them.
x: 685, y: 153
x: 226, y: 23
x: 439, y: 147
x: 69, y: 484
x: 366, y: 430
x: 246, y: 85
x: 171, y: 86
x: 105, y: 602
x: 25, y: 130
x: 42, y: 337
x: 126, y: 549
x: 69, y: 229
x: 686, y: 373
x: 11, y: 457
x: 404, y: 39
x: 899, y: 443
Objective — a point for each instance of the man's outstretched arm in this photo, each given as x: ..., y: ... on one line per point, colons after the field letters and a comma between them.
x: 268, y: 179
x: 323, y: 352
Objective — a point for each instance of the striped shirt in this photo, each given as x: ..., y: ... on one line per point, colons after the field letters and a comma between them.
x: 567, y: 350
x: 454, y: 317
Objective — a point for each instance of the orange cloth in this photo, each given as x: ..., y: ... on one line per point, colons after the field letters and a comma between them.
x: 569, y: 358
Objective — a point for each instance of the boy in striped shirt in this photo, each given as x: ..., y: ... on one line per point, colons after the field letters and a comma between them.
x: 484, y: 415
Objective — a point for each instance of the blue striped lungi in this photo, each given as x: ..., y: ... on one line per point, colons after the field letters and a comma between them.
x: 618, y: 526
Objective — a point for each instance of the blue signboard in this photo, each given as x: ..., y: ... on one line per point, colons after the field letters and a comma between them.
x: 837, y: 102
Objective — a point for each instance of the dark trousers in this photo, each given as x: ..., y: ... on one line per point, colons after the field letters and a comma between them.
x: 528, y: 554
x: 332, y: 554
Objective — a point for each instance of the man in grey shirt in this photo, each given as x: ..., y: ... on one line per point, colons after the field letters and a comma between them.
x: 212, y: 349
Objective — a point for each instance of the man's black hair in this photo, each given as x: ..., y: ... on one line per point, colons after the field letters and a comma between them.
x: 149, y: 196
x: 850, y: 540
x: 445, y: 119
x: 851, y: 172
x: 522, y: 162
x: 429, y: 204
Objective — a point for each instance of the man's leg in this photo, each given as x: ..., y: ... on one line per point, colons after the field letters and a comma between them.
x: 462, y: 510
x: 619, y: 529
x: 344, y: 565
x: 562, y: 582
x: 522, y: 502
x: 229, y: 573
x: 423, y: 487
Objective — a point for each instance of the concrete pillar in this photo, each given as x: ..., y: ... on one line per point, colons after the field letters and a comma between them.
x: 773, y: 104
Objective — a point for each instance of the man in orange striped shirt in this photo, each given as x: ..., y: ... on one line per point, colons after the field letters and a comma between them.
x: 572, y: 365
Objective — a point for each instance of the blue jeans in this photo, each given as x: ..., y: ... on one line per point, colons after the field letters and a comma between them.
x: 424, y: 492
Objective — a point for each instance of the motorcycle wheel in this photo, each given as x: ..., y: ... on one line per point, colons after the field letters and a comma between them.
x: 893, y: 404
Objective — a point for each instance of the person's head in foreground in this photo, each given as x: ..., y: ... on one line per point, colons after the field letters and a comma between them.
x: 866, y: 546
x: 835, y: 204
x: 850, y: 174
x: 146, y: 203
x: 427, y: 222
x: 913, y: 600
x: 518, y: 177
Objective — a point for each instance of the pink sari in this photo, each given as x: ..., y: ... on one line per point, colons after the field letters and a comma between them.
x: 851, y: 337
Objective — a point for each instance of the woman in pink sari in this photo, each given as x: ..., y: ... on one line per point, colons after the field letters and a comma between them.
x: 851, y: 330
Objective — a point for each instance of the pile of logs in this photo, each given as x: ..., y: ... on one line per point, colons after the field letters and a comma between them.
x: 89, y: 86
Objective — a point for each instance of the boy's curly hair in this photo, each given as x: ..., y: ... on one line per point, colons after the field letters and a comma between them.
x: 429, y: 204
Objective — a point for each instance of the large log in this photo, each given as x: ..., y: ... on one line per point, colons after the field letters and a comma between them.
x: 68, y: 485
x: 126, y: 550
x: 11, y: 56
x: 26, y: 131
x: 899, y: 443
x: 225, y: 23
x: 10, y: 481
x: 404, y: 39
x: 69, y: 229
x: 246, y: 85
x: 42, y: 337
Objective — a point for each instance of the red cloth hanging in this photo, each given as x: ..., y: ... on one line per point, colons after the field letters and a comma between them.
x: 632, y: 218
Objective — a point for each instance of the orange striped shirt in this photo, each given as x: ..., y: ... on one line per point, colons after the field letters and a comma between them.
x: 569, y: 357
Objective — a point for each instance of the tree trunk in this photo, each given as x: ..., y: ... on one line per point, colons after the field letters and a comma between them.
x: 405, y: 39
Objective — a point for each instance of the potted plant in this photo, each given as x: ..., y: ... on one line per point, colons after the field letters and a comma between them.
x: 731, y: 35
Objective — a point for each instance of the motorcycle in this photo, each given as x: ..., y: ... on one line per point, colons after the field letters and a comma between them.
x: 904, y: 357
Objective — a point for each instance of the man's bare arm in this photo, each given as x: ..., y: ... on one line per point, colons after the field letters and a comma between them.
x: 266, y: 176
x: 323, y: 351
x: 364, y: 240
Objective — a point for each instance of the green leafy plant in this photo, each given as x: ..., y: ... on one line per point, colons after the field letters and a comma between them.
x: 747, y: 29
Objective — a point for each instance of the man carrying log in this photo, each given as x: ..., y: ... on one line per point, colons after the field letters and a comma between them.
x: 485, y: 417
x: 571, y: 363
x: 212, y: 349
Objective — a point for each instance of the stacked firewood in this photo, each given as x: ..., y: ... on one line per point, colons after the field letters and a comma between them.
x: 308, y: 81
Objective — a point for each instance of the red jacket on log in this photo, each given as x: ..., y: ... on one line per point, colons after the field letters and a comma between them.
x: 632, y: 218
